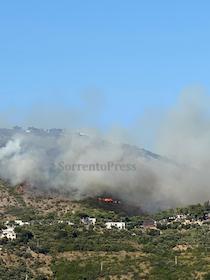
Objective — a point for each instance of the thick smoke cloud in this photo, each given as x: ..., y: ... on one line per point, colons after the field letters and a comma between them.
x: 48, y: 163
x: 179, y: 178
x: 185, y: 133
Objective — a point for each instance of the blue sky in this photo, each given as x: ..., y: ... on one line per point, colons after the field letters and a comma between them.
x: 133, y: 56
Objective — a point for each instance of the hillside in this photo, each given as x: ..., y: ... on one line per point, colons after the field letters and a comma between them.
x: 88, y: 165
x: 53, y: 242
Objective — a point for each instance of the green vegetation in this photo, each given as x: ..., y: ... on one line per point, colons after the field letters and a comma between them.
x: 51, y: 247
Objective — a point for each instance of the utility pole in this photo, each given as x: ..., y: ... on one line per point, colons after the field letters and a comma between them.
x: 176, y: 260
x: 101, y: 266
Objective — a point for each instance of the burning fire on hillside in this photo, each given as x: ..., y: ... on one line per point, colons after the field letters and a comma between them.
x: 108, y: 200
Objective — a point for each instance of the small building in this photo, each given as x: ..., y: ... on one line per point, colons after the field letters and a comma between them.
x: 198, y: 222
x: 88, y: 221
x: 17, y: 223
x: 171, y: 218
x: 70, y: 223
x: 118, y: 225
x: 207, y: 216
x: 8, y: 233
x: 180, y: 217
x: 65, y: 222
x: 21, y: 223
x: 150, y: 224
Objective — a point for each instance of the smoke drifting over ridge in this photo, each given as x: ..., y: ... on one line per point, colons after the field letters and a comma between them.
x: 155, y: 182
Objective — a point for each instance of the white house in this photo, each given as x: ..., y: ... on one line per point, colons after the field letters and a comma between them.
x: 180, y: 217
x: 9, y: 233
x: 17, y: 222
x: 66, y: 222
x: 118, y: 225
x: 70, y: 223
x: 88, y: 221
x: 21, y: 223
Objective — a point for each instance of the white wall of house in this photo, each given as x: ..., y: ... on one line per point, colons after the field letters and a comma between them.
x: 9, y: 233
x: 21, y: 223
x: 92, y: 221
x: 118, y: 225
x: 17, y: 222
x: 88, y: 221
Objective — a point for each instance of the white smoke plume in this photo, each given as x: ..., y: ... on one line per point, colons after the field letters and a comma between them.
x: 142, y: 178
